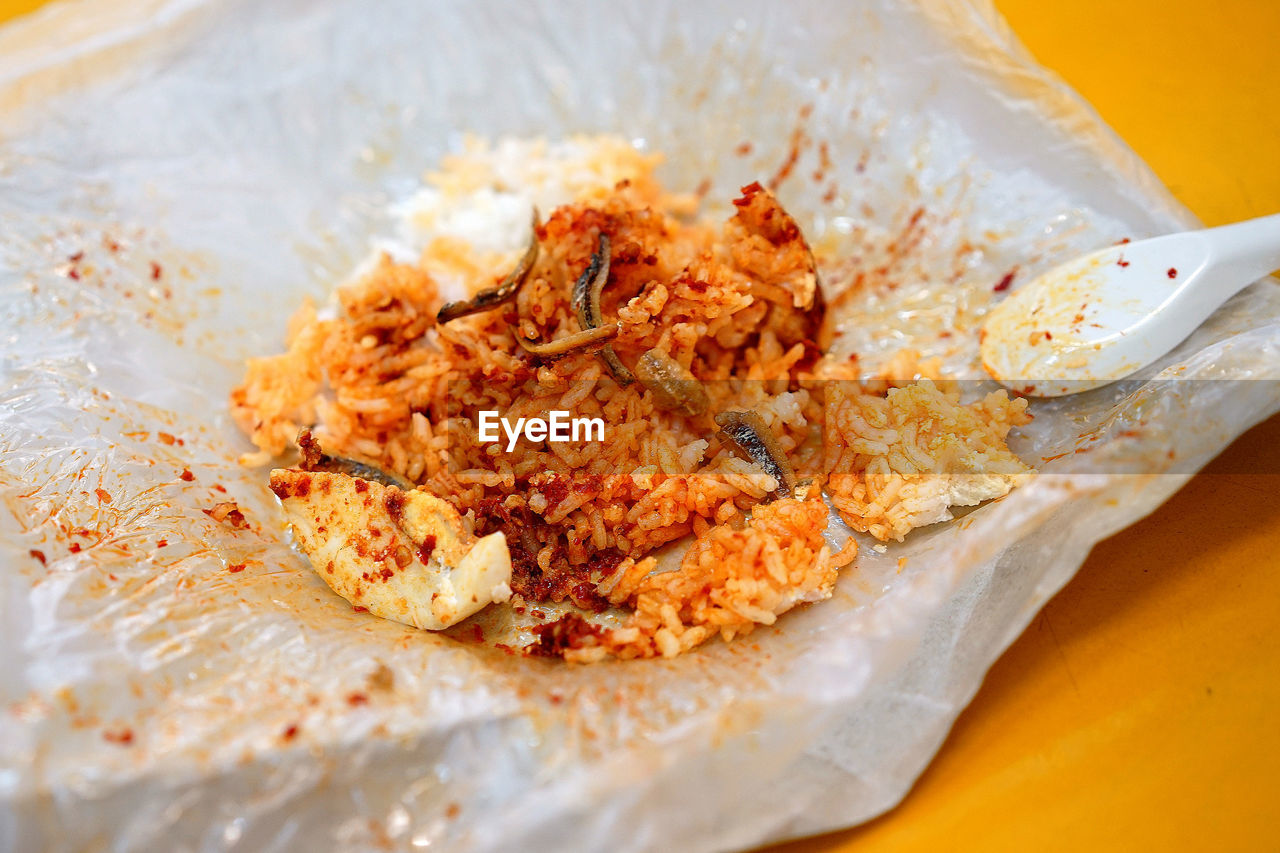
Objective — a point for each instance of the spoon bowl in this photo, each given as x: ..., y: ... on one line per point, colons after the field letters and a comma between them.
x: 1110, y: 313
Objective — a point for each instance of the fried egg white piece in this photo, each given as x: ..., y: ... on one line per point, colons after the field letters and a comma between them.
x: 928, y: 498
x: 402, y: 555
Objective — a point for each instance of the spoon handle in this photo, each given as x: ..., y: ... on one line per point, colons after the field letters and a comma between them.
x: 1245, y: 251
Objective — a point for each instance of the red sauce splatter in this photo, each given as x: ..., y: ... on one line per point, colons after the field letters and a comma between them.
x: 570, y: 631
x: 355, y: 699
x: 156, y: 271
x: 1122, y: 262
x: 74, y: 547
x: 555, y: 492
x: 228, y: 512
x: 427, y: 548
x: 166, y: 438
x: 186, y: 475
x: 1173, y: 272
x: 1006, y: 282
x: 290, y: 733
x: 236, y: 567
x: 123, y: 737
x: 799, y: 141
x: 824, y: 162
x: 360, y: 608
x: 162, y: 543
x: 394, y: 502
x: 103, y: 495
x: 39, y: 555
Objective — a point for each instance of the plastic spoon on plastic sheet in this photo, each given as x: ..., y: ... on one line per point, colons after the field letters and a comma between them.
x: 1107, y: 314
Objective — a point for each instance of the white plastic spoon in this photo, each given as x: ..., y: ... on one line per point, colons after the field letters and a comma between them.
x: 1103, y: 316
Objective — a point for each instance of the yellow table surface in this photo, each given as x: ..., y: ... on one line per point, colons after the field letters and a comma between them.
x: 1140, y: 709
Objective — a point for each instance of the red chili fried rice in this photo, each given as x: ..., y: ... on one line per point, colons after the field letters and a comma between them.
x: 736, y: 305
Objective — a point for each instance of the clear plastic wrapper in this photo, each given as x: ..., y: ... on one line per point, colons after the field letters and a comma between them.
x: 175, y: 177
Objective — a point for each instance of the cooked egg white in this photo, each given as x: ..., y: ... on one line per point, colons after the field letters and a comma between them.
x: 401, y: 555
x: 929, y: 499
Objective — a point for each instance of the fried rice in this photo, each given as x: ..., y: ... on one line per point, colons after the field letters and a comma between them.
x: 735, y: 304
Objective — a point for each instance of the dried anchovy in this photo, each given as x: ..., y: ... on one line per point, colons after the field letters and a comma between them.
x: 585, y: 299
x: 619, y: 370
x: 315, y: 459
x: 748, y: 432
x: 563, y: 346
x: 504, y: 292
x: 586, y: 290
x: 674, y: 388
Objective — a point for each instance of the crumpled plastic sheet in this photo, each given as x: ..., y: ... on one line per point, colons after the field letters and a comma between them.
x: 176, y: 175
